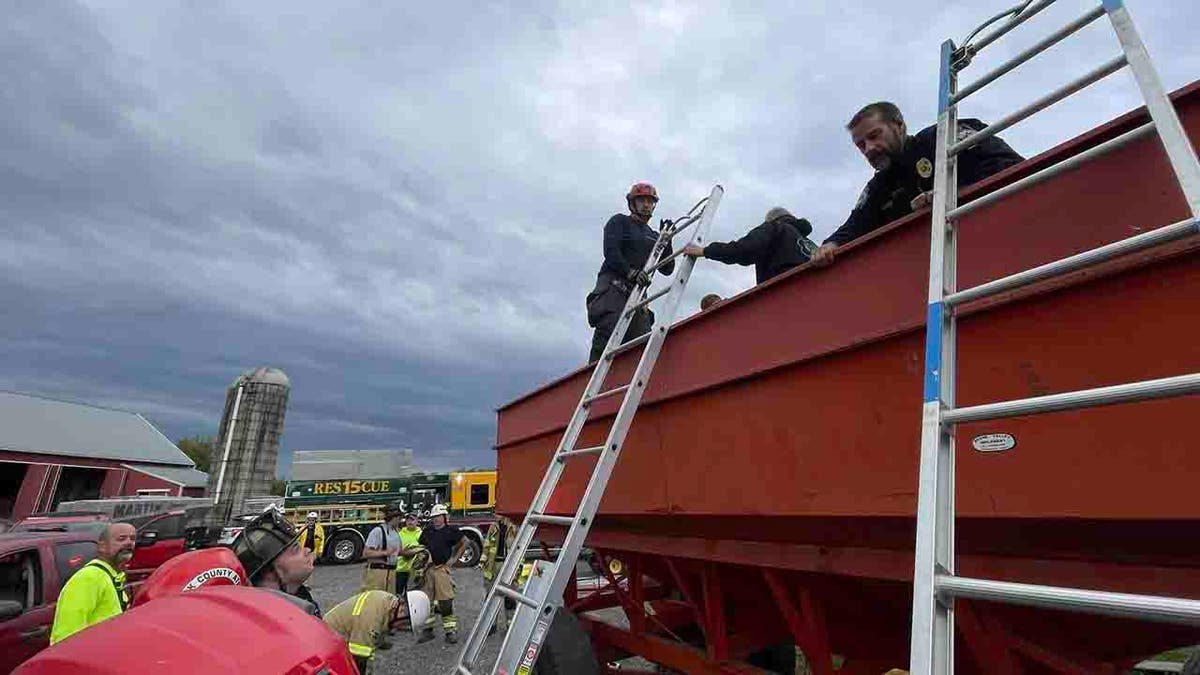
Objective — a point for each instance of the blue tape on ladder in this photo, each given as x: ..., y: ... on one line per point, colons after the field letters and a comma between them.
x: 1112, y: 5
x: 933, y: 352
x: 944, y: 83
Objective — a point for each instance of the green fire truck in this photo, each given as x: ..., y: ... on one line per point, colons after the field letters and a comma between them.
x: 349, y: 508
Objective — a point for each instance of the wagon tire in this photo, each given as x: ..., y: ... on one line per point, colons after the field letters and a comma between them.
x: 567, y: 649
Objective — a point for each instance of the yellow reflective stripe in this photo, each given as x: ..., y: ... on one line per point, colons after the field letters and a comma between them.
x: 358, y: 605
x: 361, y: 650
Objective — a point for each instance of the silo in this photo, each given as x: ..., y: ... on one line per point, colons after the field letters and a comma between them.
x: 247, y: 447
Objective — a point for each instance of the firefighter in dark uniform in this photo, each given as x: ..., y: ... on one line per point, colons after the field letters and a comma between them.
x: 628, y: 242
x: 904, y: 169
x: 777, y: 245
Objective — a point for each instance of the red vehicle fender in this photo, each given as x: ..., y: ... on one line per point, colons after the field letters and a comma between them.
x: 234, y: 630
x: 190, y: 572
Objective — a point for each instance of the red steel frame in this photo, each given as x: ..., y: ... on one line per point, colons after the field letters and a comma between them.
x: 818, y: 550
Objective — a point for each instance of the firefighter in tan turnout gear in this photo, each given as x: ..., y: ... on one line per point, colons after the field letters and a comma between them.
x: 499, y: 541
x: 445, y: 544
x: 366, y: 618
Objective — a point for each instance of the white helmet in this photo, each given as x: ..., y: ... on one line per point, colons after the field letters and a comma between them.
x: 312, y: 515
x: 418, y: 609
x: 438, y: 510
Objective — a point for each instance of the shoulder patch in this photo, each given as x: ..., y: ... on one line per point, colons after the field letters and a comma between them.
x: 924, y: 167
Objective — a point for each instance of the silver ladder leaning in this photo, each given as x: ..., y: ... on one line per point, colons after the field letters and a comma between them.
x: 935, y: 585
x: 542, y: 596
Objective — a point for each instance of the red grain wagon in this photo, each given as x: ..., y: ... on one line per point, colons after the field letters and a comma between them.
x: 767, y: 488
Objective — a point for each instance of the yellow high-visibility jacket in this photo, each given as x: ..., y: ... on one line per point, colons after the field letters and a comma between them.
x: 95, y: 593
x: 318, y: 538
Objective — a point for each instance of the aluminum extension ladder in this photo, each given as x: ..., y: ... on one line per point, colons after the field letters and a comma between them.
x: 934, y: 583
x: 542, y: 596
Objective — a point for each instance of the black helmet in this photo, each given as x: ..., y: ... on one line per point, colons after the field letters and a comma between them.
x: 262, y: 540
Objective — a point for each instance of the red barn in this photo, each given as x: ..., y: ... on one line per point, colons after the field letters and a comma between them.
x: 53, y: 451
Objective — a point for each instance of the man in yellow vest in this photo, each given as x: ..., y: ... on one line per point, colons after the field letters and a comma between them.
x: 410, y: 545
x: 312, y: 536
x: 365, y: 619
x: 97, y: 591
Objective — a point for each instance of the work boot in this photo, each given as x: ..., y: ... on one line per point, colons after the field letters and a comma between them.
x: 426, y: 635
x: 451, y: 637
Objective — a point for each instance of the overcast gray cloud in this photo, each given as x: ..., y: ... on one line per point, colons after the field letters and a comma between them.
x: 401, y: 205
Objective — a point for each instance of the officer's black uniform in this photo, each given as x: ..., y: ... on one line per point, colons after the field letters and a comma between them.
x: 627, y: 245
x: 773, y: 247
x: 889, y: 193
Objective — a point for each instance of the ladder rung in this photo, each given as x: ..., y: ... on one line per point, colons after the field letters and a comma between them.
x: 649, y: 299
x: 641, y: 339
x: 551, y: 520
x: 462, y: 670
x: 1053, y: 170
x: 581, y: 451
x: 1042, y: 103
x: 1024, y: 16
x: 1024, y: 56
x: 605, y: 394
x: 664, y: 261
x: 516, y: 595
x: 1095, y: 256
x: 1180, y: 385
x: 1149, y: 607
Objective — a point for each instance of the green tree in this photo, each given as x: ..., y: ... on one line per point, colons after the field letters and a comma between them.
x: 278, y: 487
x: 199, y: 449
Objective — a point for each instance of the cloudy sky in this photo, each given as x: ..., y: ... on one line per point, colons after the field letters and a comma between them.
x: 401, y: 204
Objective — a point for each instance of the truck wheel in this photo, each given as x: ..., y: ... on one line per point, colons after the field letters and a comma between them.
x: 567, y: 649
x: 345, y: 548
x: 471, y: 554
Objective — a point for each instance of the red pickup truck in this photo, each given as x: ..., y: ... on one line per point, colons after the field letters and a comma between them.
x: 33, y: 568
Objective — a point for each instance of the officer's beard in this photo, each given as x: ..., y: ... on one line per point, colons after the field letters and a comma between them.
x: 122, y: 557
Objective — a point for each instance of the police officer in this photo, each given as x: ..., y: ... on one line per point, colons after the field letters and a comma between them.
x: 97, y: 591
x: 777, y: 245
x: 904, y: 169
x: 628, y: 242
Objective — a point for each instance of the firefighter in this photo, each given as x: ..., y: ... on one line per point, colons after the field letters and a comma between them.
x: 269, y: 550
x: 904, y: 169
x: 499, y: 540
x: 445, y: 544
x: 97, y: 591
x: 410, y: 537
x: 775, y: 246
x: 312, y: 536
x: 364, y: 620
x: 383, y: 547
x: 628, y: 243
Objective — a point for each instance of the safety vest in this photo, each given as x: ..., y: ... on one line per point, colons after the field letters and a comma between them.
x: 407, y: 540
x: 93, y: 594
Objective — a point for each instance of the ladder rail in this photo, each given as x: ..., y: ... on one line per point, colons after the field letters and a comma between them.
x: 607, y: 454
x: 590, y: 501
x: 935, y: 585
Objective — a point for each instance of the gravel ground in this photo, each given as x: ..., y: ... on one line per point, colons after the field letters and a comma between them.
x: 333, y: 583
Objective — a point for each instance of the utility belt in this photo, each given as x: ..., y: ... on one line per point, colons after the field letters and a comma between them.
x: 381, y: 566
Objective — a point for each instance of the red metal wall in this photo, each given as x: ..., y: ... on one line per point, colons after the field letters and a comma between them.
x: 801, y: 398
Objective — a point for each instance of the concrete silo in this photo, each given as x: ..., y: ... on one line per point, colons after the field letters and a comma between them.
x: 247, y: 447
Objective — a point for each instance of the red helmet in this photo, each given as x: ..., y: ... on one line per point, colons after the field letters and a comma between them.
x: 642, y: 190
x: 190, y: 571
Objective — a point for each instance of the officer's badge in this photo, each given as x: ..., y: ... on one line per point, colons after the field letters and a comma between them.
x: 924, y: 167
